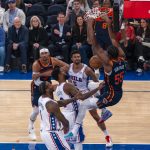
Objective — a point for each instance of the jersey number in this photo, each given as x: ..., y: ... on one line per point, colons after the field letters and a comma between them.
x: 119, y: 78
x: 104, y: 25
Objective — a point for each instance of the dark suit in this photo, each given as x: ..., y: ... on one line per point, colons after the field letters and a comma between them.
x: 60, y: 46
x: 20, y: 38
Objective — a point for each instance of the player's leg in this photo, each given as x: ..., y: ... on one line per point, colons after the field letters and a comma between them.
x: 77, y: 141
x: 54, y: 140
x: 84, y: 106
x: 35, y: 111
x: 102, y: 126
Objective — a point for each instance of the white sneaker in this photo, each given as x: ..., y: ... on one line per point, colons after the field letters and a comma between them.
x: 108, y: 141
x: 139, y: 70
x: 1, y: 68
x: 32, y: 134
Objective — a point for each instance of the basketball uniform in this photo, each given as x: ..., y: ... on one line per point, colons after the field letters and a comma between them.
x: 35, y: 94
x: 101, y: 29
x: 70, y: 112
x: 51, y: 132
x: 113, y: 84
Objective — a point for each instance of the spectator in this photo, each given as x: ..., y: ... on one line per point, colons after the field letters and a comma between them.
x: 2, y: 10
x: 127, y: 41
x: 96, y: 4
x: 17, y: 42
x: 2, y: 49
x: 84, y: 6
x: 37, y: 37
x: 79, y: 35
x: 11, y: 13
x: 19, y: 4
x: 61, y: 35
x: 142, y: 52
x: 72, y: 14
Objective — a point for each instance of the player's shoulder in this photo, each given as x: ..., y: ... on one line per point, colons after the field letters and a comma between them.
x: 36, y: 64
x: 51, y: 105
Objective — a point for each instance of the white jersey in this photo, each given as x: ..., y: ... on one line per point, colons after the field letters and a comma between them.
x: 48, y: 121
x: 62, y: 95
x: 79, y: 79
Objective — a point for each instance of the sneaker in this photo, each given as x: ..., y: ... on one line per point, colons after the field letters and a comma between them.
x: 104, y: 116
x: 7, y: 68
x: 24, y: 69
x: 139, y: 70
x: 32, y: 134
x: 68, y: 136
x: 1, y: 68
x: 108, y: 141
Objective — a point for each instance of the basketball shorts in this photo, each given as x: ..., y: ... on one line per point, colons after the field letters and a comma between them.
x: 106, y: 100
x: 54, y: 140
x: 35, y: 94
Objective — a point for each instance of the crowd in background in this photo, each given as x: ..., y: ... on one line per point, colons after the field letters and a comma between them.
x: 26, y: 26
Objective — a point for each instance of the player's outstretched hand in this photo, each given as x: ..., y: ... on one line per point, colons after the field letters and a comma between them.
x: 79, y: 95
x: 105, y: 18
x: 66, y: 130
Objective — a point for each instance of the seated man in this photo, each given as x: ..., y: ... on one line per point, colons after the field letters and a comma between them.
x: 61, y: 35
x: 17, y: 41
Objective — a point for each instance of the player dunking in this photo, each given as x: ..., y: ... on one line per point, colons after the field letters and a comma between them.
x: 79, y: 75
x: 114, y: 70
x: 51, y: 119
x: 41, y: 71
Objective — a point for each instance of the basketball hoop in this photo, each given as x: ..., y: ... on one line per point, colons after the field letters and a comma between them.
x: 96, y: 13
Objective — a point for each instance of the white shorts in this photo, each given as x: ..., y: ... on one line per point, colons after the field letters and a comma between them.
x: 71, y: 117
x: 54, y: 140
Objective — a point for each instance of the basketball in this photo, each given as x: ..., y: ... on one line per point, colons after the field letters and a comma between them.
x: 95, y: 62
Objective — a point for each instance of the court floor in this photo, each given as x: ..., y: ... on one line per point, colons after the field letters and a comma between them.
x: 130, y: 122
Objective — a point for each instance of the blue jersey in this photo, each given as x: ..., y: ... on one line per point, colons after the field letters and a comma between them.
x: 114, y: 79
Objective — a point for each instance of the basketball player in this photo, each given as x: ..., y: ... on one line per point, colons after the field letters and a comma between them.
x: 51, y: 118
x: 41, y: 71
x: 79, y: 75
x: 114, y: 70
x: 66, y: 90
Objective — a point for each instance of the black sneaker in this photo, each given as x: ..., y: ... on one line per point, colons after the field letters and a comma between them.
x: 7, y: 68
x: 24, y: 69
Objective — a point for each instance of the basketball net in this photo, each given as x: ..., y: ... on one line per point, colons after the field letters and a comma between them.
x: 96, y: 13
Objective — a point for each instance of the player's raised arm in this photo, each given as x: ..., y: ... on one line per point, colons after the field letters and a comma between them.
x: 97, y: 50
x: 53, y: 107
x: 112, y: 35
x: 71, y: 90
x: 65, y: 102
x: 57, y: 62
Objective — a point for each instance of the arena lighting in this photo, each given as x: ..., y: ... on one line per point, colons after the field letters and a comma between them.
x: 137, y: 9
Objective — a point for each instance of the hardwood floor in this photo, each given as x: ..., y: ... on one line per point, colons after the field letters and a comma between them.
x: 130, y: 122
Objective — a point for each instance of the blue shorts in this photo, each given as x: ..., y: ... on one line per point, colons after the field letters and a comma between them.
x: 104, y: 100
x: 35, y: 94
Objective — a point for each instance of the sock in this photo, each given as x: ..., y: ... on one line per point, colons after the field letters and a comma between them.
x: 106, y: 133
x: 75, y: 129
x: 78, y: 146
x: 104, y: 110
